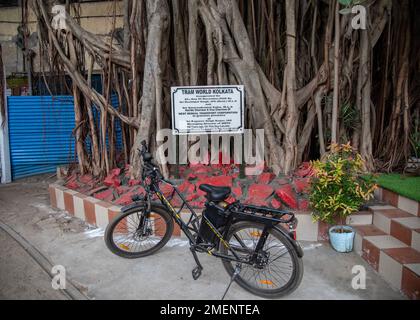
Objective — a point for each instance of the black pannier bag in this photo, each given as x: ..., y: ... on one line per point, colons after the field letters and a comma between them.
x: 217, y: 217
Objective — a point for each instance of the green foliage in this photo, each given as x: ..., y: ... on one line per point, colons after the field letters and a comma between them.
x: 348, y: 4
x: 16, y: 82
x: 349, y: 116
x: 416, y: 143
x: 345, y: 2
x: 338, y: 189
x: 415, y: 139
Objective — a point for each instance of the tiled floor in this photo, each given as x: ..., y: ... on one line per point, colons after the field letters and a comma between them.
x: 411, y: 222
x: 390, y: 245
x: 385, y: 242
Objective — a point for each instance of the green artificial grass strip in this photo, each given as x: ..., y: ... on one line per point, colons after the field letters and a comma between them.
x: 406, y: 186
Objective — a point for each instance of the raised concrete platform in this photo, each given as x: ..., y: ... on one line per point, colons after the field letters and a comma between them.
x: 100, y: 213
x: 391, y: 246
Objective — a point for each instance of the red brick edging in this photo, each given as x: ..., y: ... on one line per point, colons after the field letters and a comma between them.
x: 99, y: 213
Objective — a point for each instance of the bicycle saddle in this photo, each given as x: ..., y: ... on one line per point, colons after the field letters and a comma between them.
x: 215, y: 193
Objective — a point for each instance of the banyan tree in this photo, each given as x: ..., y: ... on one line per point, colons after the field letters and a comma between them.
x: 312, y: 74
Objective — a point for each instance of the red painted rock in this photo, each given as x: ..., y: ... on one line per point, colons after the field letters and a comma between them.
x: 302, y: 185
x: 201, y: 176
x: 176, y: 202
x: 90, y: 191
x: 191, y: 196
x: 305, y: 170
x: 225, y: 170
x: 122, y: 189
x: 287, y: 196
x: 202, y: 169
x: 256, y: 201
x: 166, y: 189
x: 124, y: 199
x: 276, y: 204
x: 134, y: 182
x: 141, y: 191
x: 235, y: 175
x: 265, y: 178
x: 186, y: 187
x: 199, y: 203
x: 112, y: 181
x: 191, y: 176
x: 106, y: 195
x: 73, y: 185
x: 112, y: 178
x: 86, y: 178
x: 261, y: 191
x: 304, y: 205
x: 115, y: 172
x: 230, y: 200
x: 281, y: 181
x: 87, y: 189
x: 237, y: 191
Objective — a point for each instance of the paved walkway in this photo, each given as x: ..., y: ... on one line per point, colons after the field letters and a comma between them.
x: 20, y: 276
x: 166, y: 275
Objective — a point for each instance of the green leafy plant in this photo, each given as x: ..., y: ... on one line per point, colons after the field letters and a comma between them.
x: 416, y: 143
x: 339, y: 186
x: 415, y: 139
x: 349, y: 117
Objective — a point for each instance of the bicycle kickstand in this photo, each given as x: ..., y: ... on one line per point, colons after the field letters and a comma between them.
x: 196, y: 272
x: 236, y: 272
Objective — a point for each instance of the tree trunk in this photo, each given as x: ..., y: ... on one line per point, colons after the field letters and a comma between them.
x: 158, y: 17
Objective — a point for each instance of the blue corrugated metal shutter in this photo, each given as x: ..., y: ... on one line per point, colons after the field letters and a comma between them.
x: 40, y: 133
x: 117, y: 126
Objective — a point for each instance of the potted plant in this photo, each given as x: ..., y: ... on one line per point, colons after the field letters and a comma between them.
x: 338, y: 188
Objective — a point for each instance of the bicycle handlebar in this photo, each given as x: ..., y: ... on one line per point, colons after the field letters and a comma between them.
x: 149, y: 168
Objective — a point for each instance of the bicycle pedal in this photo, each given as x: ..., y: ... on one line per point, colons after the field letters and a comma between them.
x: 196, y: 272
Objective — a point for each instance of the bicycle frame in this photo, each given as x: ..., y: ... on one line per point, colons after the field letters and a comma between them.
x: 237, y: 212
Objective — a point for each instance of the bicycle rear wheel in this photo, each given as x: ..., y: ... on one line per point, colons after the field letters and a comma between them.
x: 280, y: 269
x: 133, y: 235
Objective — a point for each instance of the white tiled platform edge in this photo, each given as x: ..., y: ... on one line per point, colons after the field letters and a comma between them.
x: 403, y: 203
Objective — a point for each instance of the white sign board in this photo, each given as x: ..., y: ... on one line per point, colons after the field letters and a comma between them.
x: 207, y: 110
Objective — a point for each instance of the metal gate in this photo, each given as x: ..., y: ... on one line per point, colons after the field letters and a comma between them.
x: 40, y: 133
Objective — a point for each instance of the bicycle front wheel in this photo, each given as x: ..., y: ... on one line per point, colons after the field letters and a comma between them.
x: 276, y: 272
x: 133, y: 234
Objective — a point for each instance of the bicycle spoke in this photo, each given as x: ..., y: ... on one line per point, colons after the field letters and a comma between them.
x: 127, y: 235
x: 279, y: 266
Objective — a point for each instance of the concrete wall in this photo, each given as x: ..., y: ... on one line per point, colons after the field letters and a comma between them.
x: 96, y: 17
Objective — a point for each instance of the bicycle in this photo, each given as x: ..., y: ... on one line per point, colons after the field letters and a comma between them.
x: 259, y: 254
